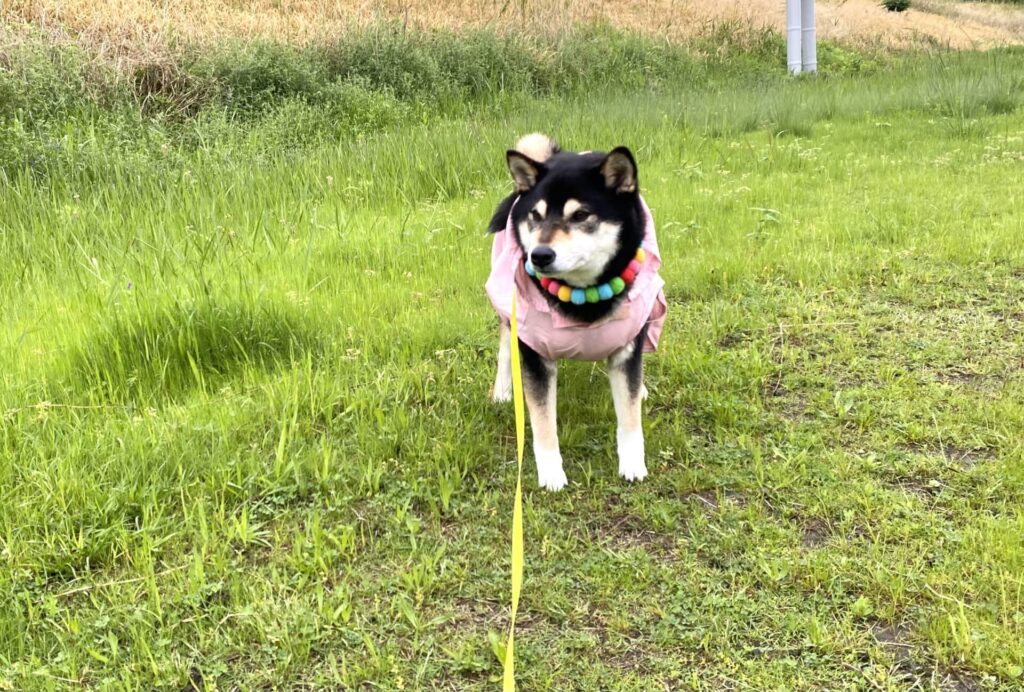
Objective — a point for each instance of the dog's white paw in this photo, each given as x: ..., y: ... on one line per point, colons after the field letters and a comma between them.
x: 550, y: 474
x: 553, y: 480
x: 643, y: 392
x: 631, y: 455
x: 502, y: 392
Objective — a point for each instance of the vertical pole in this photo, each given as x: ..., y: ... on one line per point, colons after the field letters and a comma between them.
x: 810, y: 51
x: 793, y: 35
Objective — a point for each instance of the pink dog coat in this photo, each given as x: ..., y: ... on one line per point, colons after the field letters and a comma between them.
x: 555, y: 336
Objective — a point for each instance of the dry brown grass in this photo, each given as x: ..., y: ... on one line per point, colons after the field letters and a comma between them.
x: 1001, y: 16
x: 143, y: 29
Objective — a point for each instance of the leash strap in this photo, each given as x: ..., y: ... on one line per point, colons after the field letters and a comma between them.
x: 509, y: 684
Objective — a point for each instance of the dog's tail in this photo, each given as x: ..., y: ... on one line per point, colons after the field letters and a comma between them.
x: 537, y: 146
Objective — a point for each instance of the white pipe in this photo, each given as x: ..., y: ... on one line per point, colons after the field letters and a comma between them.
x: 810, y: 51
x: 793, y: 35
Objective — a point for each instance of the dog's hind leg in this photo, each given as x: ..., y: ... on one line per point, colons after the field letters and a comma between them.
x: 625, y: 374
x: 540, y: 386
x: 502, y: 391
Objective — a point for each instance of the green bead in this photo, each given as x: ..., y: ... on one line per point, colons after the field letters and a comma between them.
x: 592, y: 296
x: 617, y: 284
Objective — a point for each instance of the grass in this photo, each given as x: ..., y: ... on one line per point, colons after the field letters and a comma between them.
x: 147, y: 31
x: 246, y: 438
x: 144, y: 32
x: 1003, y: 15
x: 286, y: 96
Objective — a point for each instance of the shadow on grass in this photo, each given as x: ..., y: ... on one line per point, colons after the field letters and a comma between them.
x: 157, y: 356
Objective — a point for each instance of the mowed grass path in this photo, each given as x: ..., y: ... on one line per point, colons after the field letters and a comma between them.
x: 246, y: 436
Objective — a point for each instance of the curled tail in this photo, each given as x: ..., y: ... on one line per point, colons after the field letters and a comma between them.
x: 538, y: 147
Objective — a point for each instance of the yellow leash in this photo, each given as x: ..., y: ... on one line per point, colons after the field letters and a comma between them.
x: 517, y: 509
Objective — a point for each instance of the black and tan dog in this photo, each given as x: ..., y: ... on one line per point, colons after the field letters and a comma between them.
x: 577, y: 242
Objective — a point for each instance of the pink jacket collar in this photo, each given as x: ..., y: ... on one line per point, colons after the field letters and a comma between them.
x: 554, y: 335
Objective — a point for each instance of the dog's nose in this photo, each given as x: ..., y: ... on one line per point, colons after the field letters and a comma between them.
x: 542, y: 256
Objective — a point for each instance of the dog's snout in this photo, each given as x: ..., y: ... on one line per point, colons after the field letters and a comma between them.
x: 542, y: 256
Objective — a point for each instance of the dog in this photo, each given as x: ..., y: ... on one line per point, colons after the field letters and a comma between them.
x: 576, y: 240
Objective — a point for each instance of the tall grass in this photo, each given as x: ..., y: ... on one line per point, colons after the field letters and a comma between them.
x: 60, y: 110
x: 352, y: 87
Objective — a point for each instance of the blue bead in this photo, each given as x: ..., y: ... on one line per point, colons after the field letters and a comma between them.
x: 579, y: 296
x: 529, y: 268
x: 605, y: 292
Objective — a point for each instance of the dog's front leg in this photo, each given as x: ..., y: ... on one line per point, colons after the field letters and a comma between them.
x: 540, y: 386
x: 626, y: 373
x: 503, y: 380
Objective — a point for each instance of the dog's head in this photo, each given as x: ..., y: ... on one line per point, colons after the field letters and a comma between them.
x: 577, y: 214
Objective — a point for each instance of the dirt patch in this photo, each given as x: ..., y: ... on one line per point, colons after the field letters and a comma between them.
x: 959, y: 376
x: 816, y: 534
x: 924, y: 488
x: 735, y: 498
x: 627, y: 532
x: 706, y: 499
x: 794, y: 409
x: 195, y: 681
x: 474, y: 614
x: 895, y: 640
x: 633, y: 658
x: 733, y: 339
x: 960, y: 682
x: 964, y: 457
x: 778, y: 398
x: 711, y: 500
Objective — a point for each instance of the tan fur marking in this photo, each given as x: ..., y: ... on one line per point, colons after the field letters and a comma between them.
x: 543, y: 424
x: 553, y: 236
x: 543, y: 418
x: 629, y: 434
x: 627, y: 407
x: 502, y: 390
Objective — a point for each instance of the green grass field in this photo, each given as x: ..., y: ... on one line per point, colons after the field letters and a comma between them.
x: 246, y: 437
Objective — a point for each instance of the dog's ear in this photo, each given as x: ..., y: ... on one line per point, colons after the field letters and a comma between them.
x: 525, y: 171
x: 619, y: 170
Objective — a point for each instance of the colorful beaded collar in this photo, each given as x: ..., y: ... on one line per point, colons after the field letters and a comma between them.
x: 593, y: 294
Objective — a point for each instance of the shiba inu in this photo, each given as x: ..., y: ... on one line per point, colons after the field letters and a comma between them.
x: 577, y: 241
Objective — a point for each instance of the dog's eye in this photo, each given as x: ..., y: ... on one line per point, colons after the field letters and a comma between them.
x: 579, y: 216
x: 534, y: 216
